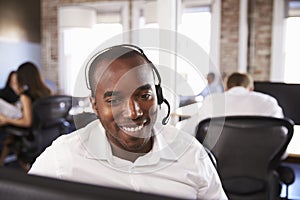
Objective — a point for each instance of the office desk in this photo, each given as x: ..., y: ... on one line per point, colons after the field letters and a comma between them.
x: 293, y: 148
x: 188, y: 110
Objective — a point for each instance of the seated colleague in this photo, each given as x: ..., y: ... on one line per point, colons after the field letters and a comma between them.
x: 10, y: 110
x: 127, y: 147
x: 8, y: 98
x: 238, y: 99
x: 29, y: 87
x: 214, y: 85
x: 8, y: 92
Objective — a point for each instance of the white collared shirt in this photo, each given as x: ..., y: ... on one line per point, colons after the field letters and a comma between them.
x: 236, y: 101
x: 176, y: 166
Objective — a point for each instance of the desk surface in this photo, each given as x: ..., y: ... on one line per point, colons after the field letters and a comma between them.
x: 293, y: 148
x: 188, y: 110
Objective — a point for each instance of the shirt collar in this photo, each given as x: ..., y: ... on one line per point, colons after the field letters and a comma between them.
x: 238, y: 90
x: 97, y: 146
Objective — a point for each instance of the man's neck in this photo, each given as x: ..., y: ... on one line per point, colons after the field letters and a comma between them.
x: 126, y: 155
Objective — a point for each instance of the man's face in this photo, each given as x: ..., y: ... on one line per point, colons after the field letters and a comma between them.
x: 125, y: 102
x: 210, y: 79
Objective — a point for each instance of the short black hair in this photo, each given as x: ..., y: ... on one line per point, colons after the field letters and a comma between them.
x: 113, y: 53
x: 239, y: 79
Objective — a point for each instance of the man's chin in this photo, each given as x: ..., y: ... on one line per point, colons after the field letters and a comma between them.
x: 135, y: 145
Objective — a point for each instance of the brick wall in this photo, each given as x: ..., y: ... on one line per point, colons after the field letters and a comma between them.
x: 259, y: 37
x: 229, y: 36
x: 259, y: 50
x: 49, y: 40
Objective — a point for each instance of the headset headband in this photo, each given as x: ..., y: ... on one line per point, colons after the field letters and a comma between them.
x: 129, y: 47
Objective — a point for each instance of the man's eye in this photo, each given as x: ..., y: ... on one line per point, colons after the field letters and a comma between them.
x: 113, y: 101
x: 146, y: 96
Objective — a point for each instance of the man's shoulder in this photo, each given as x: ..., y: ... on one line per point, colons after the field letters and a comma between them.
x: 179, y: 139
x: 171, y: 133
x: 66, y: 139
x: 263, y: 96
x: 253, y: 95
x: 214, y: 96
x: 75, y: 136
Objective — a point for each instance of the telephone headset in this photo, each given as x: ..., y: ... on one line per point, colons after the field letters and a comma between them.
x: 130, y: 47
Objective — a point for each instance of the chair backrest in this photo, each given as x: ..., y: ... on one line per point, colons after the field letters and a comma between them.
x: 81, y: 113
x: 82, y: 119
x: 51, y: 110
x: 247, y: 149
x: 49, y: 120
x: 50, y: 116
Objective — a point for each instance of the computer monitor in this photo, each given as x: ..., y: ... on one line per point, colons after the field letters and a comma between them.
x: 15, y: 185
x: 287, y: 95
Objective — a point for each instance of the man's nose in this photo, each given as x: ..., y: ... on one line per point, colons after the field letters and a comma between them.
x: 133, y: 109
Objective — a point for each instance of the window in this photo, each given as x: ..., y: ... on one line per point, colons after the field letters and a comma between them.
x: 195, y: 24
x: 292, y: 43
x: 78, y: 40
x: 78, y: 44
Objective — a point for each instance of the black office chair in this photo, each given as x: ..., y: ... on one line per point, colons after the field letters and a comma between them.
x: 82, y: 119
x: 79, y: 117
x: 49, y: 122
x: 248, y: 150
x: 50, y: 119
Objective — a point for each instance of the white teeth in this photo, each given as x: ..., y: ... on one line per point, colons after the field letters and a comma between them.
x: 131, y: 129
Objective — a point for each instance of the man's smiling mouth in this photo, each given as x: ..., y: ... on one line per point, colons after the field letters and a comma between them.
x: 132, y: 129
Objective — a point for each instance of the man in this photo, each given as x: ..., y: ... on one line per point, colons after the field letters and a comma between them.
x: 127, y: 148
x: 239, y: 99
x: 213, y: 85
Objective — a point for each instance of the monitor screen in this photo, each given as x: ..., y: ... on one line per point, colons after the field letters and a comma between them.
x: 287, y: 95
x: 15, y: 185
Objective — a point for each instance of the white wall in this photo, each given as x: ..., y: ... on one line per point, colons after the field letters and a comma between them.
x: 12, y: 54
x: 278, y: 43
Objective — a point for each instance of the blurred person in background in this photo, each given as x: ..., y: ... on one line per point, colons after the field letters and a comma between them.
x: 8, y: 97
x: 30, y: 87
x: 238, y: 99
x: 8, y: 92
x: 214, y: 85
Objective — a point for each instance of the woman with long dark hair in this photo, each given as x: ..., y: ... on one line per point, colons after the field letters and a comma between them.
x: 30, y: 87
x: 8, y: 92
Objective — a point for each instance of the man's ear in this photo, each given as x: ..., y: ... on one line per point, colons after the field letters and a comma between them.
x: 94, y: 104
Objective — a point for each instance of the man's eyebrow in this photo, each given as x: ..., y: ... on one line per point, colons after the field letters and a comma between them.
x: 144, y: 87
x: 116, y: 93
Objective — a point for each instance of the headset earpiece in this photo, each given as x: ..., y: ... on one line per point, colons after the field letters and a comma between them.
x: 160, y: 100
x: 159, y: 94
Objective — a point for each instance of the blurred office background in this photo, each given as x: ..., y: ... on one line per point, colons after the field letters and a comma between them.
x: 260, y: 37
